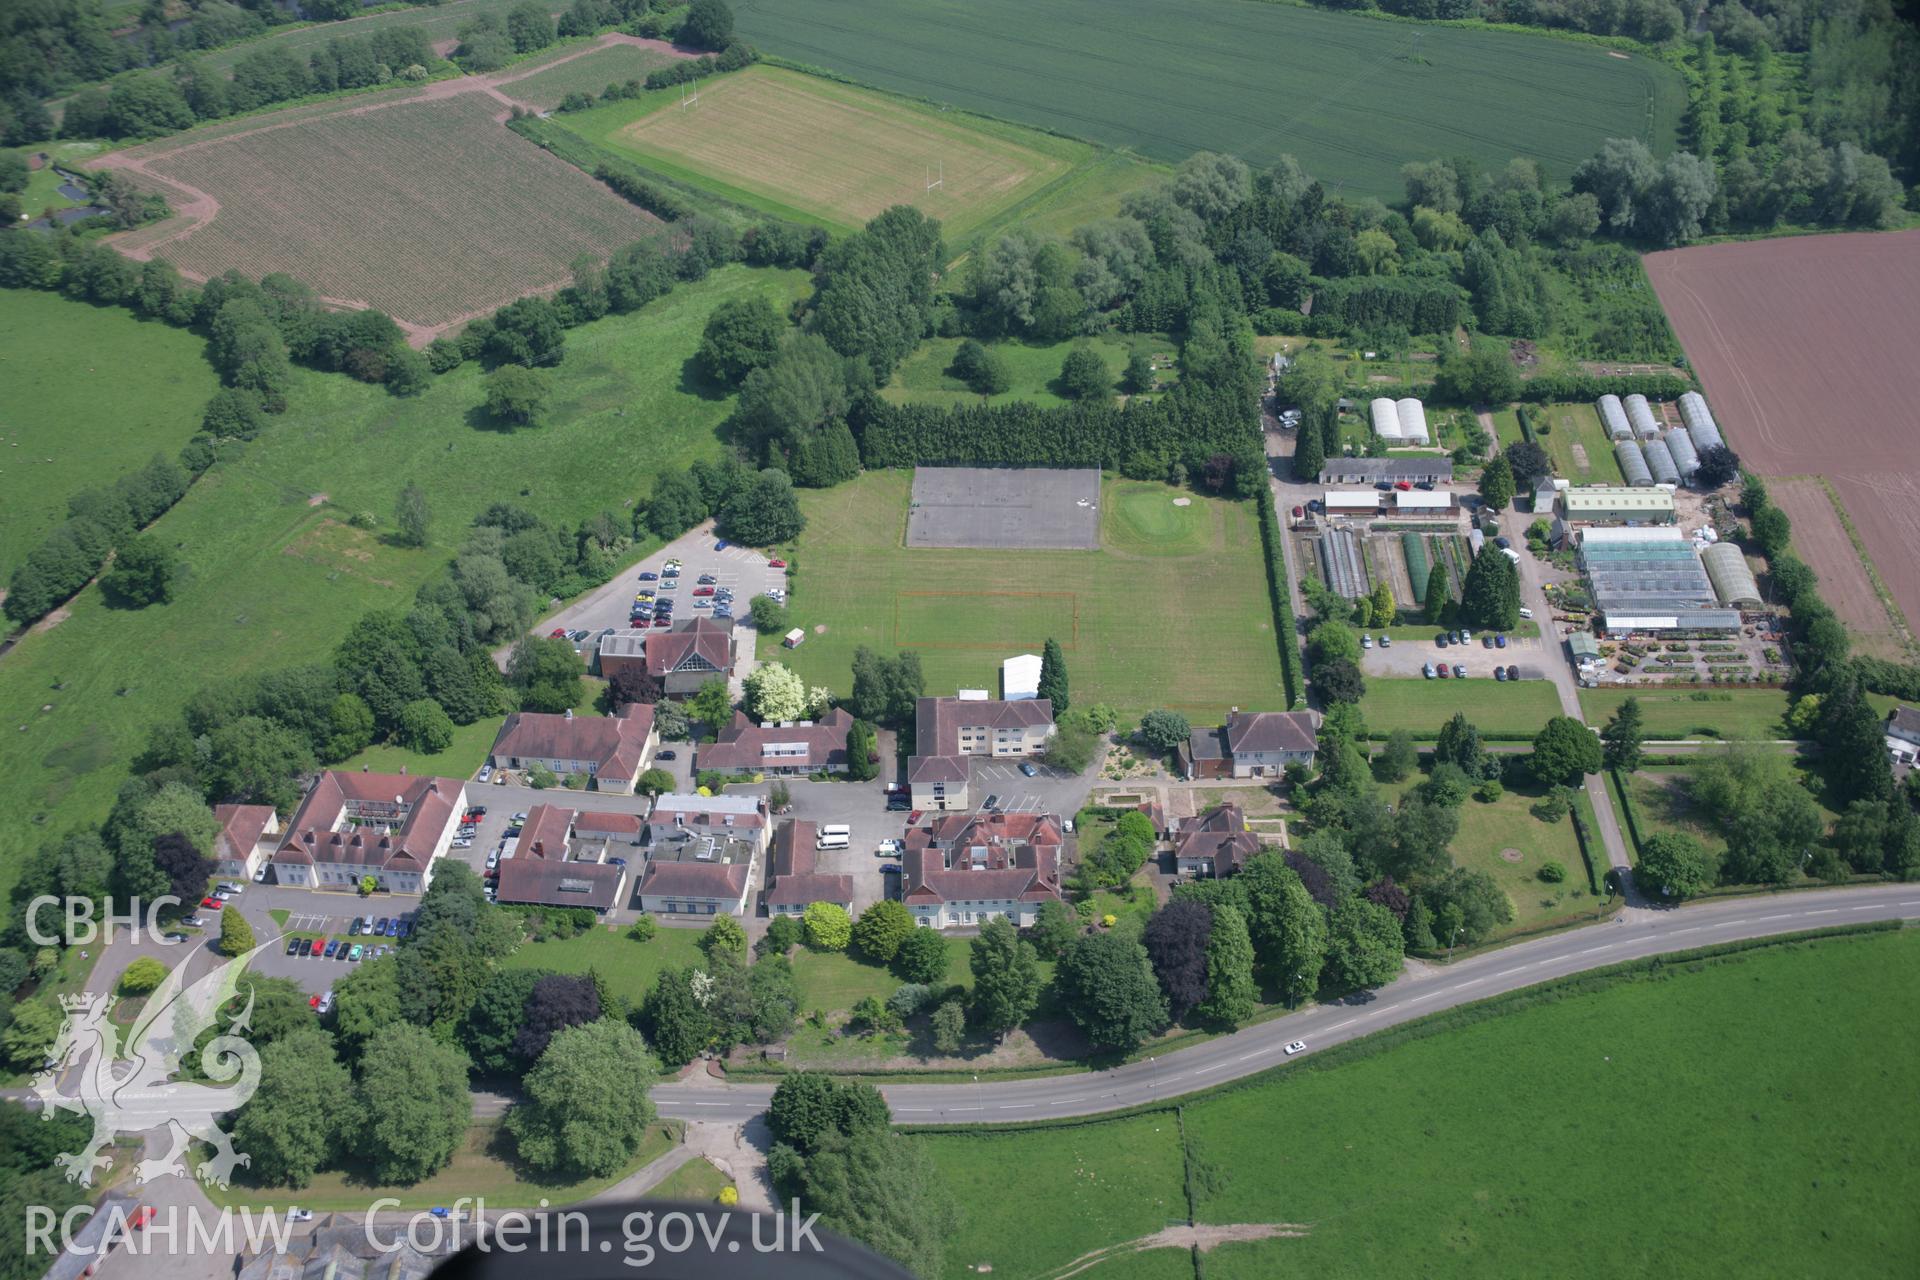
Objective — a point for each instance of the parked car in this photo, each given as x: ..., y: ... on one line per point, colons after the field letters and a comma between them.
x: 194, y: 922
x: 333, y: 945
x: 212, y: 904
x: 1499, y: 673
x: 993, y: 802
x: 1384, y: 486
x: 889, y: 848
x: 260, y: 876
x: 1427, y: 671
x: 353, y: 927
x: 299, y: 1215
x: 293, y: 946
x: 721, y: 545
x: 703, y: 591
x: 776, y: 564
x: 1503, y: 542
x: 558, y: 633
x: 393, y: 928
x: 1404, y: 486
x: 1366, y: 640
x: 1443, y: 671
x: 354, y: 952
x: 1441, y: 640
x: 1459, y: 671
x: 1500, y: 642
x: 306, y: 946
x: 1486, y: 642
x: 897, y: 802
x: 649, y: 577
x: 889, y: 868
x: 1299, y: 513
x: 1513, y: 672
x: 1425, y: 484
x: 1386, y: 642
x: 486, y: 771
x: 663, y: 621
x: 1466, y: 637
x: 1027, y: 769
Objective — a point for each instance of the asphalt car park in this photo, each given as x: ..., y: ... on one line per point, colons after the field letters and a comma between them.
x: 1409, y: 657
x: 705, y: 562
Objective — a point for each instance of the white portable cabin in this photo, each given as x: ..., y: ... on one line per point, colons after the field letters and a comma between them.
x: 1633, y: 464
x: 1413, y: 421
x: 794, y: 638
x: 1685, y: 457
x: 1640, y: 414
x: 1615, y: 418
x: 1386, y: 420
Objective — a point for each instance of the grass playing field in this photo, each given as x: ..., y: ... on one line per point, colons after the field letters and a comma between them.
x: 1519, y: 1144
x: 1422, y: 706
x: 92, y: 393
x: 830, y: 153
x: 276, y: 580
x: 1033, y: 369
x: 1190, y: 631
x: 1353, y: 98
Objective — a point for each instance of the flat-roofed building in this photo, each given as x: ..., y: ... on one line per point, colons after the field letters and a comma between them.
x: 1617, y: 504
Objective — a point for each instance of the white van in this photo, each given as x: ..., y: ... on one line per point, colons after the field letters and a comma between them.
x: 833, y: 836
x: 1525, y: 612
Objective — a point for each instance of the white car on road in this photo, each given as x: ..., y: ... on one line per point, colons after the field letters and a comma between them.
x: 1298, y: 1046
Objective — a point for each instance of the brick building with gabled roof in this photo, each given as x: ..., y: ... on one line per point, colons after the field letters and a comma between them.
x: 1251, y: 744
x: 244, y: 843
x: 610, y: 750
x: 793, y: 879
x: 390, y: 826
x: 963, y: 869
x: 808, y: 746
x: 949, y: 730
x: 1215, y: 843
x: 690, y: 653
x: 551, y: 868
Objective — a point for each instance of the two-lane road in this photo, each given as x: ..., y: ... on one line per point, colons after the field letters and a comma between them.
x: 1636, y: 934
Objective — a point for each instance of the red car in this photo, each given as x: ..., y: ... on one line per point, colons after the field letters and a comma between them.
x: 558, y: 633
x: 663, y: 622
x: 703, y: 591
x: 212, y: 904
x: 313, y: 1002
x: 776, y: 564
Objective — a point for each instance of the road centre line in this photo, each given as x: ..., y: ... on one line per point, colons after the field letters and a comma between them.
x: 1784, y: 915
x: 1349, y: 1022
x: 1824, y: 911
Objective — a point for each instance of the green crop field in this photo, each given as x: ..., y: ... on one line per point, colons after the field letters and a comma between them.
x: 277, y: 574
x: 1352, y: 98
x: 830, y: 153
x: 1033, y: 369
x: 1519, y: 1144
x: 91, y: 394
x: 1191, y: 631
x: 1422, y: 706
x: 588, y: 73
x: 1732, y: 714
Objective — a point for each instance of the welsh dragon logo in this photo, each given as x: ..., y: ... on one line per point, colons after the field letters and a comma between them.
x: 129, y: 1088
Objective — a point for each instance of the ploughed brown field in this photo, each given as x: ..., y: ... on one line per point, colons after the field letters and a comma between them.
x: 1806, y: 347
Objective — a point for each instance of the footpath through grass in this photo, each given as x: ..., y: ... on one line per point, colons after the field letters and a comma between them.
x: 1774, y: 1086
x: 276, y: 572
x: 90, y: 394
x: 1190, y: 630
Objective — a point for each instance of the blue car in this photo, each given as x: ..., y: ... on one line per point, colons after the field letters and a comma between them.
x: 889, y: 868
x: 1499, y: 642
x: 649, y: 577
x: 393, y: 928
x: 721, y: 545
